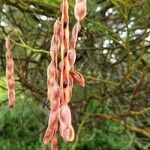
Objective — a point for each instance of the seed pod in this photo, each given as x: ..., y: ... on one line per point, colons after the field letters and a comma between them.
x: 63, y: 74
x: 51, y: 72
x: 78, y: 78
x: 55, y: 98
x: 65, y: 114
x: 54, y: 143
x: 74, y: 35
x: 71, y: 134
x: 61, y: 96
x: 66, y: 95
x: 66, y: 131
x: 55, y: 104
x: 48, y: 135
x: 10, y: 73
x: 52, y: 48
x: 80, y: 9
x: 60, y: 66
x: 72, y: 57
x: 65, y: 9
x: 8, y: 44
x: 66, y: 81
x: 52, y: 127
x: 50, y: 78
x: 70, y: 86
x: 57, y: 27
x: 11, y: 96
x: 55, y: 91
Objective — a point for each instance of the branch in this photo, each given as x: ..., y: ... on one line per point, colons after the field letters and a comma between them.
x: 28, y: 47
x: 78, y: 132
x: 101, y: 80
x: 38, y: 8
x: 116, y: 119
x: 141, y: 112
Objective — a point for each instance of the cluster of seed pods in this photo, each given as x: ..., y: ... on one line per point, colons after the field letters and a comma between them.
x: 10, y: 73
x: 60, y: 75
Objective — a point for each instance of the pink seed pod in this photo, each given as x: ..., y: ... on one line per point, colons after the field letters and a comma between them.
x: 51, y: 48
x: 61, y: 96
x: 65, y: 114
x: 55, y: 97
x: 72, y: 57
x: 61, y: 7
x: 54, y: 49
x: 66, y: 81
x: 60, y: 77
x: 60, y: 66
x: 52, y: 127
x: 54, y: 143
x: 48, y: 135
x: 65, y: 123
x: 65, y: 9
x: 8, y: 43
x: 78, y: 78
x: 57, y: 27
x: 49, y: 92
x: 55, y: 91
x: 66, y: 95
x: 56, y: 52
x: 55, y: 104
x: 74, y: 35
x: 50, y: 78
x: 10, y: 73
x: 51, y: 72
x: 80, y: 9
x: 71, y: 134
x: 11, y: 96
x: 62, y: 129
x: 70, y: 86
x: 66, y: 131
x: 11, y: 84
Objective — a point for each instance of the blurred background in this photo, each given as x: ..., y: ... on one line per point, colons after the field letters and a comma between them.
x: 113, y: 53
